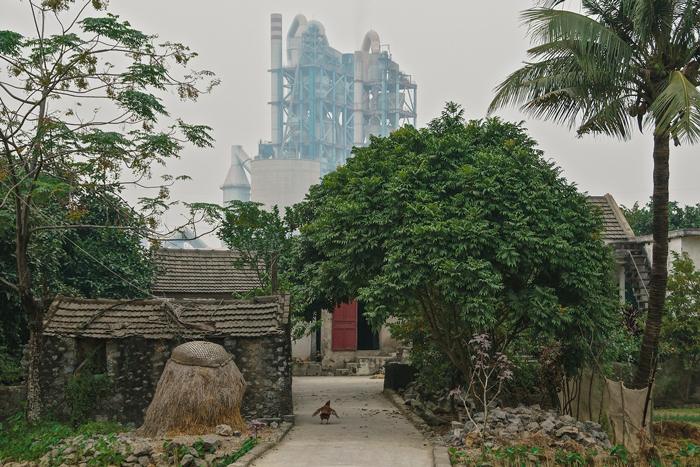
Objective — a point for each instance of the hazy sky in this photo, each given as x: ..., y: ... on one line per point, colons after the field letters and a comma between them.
x: 455, y: 50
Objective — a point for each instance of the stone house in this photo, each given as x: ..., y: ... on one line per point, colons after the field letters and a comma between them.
x: 130, y: 341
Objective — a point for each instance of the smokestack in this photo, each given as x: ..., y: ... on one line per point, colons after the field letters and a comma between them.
x: 359, y: 91
x: 276, y: 70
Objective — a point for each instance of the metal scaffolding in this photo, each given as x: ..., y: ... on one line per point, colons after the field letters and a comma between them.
x: 324, y: 101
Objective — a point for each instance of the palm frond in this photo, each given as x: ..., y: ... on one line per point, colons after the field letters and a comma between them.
x: 552, y: 26
x: 676, y: 111
x: 611, y: 120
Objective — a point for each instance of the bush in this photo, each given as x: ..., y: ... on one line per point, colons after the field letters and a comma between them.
x: 24, y: 441
x: 10, y: 369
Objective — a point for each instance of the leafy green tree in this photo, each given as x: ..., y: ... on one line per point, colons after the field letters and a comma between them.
x: 462, y: 229
x: 260, y: 237
x: 77, y: 106
x: 681, y: 325
x: 640, y: 217
x: 598, y: 71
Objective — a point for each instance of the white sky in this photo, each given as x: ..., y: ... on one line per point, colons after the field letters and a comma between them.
x: 455, y: 50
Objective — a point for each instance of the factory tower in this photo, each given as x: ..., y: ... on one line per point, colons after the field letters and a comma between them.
x: 323, y: 102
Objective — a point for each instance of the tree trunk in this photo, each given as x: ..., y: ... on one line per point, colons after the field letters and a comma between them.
x: 644, y: 376
x: 33, y: 309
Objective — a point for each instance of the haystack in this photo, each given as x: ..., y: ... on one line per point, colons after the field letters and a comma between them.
x: 199, y: 389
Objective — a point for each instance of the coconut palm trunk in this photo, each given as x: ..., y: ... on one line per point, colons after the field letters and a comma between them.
x: 648, y: 356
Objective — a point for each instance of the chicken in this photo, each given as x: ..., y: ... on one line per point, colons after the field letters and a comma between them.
x: 326, y: 412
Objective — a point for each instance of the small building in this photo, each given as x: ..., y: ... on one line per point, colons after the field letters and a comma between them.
x: 130, y: 341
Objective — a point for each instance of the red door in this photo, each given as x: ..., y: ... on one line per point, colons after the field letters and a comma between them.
x: 344, y: 328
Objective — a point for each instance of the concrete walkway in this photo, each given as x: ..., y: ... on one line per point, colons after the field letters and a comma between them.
x: 370, y: 431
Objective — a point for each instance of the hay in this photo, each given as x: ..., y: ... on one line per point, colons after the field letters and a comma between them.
x: 194, y: 399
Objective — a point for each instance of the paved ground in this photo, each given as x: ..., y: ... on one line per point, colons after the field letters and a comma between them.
x: 370, y: 431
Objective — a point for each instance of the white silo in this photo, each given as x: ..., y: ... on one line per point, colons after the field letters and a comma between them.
x: 236, y: 185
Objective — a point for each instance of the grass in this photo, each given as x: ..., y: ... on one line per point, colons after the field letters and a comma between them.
x: 24, y: 441
x: 680, y: 415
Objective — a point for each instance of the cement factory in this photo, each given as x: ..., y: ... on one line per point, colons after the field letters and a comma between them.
x: 323, y: 102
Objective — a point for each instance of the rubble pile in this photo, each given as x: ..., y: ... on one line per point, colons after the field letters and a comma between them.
x: 517, y: 425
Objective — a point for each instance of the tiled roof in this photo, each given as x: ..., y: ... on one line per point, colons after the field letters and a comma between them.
x: 166, y: 319
x: 195, y: 271
x: 616, y: 226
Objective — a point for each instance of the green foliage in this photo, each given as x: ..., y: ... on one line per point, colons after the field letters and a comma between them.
x: 261, y: 239
x: 84, y: 390
x: 24, y: 441
x: 640, y: 218
x: 10, y: 369
x: 248, y: 444
x: 460, y: 228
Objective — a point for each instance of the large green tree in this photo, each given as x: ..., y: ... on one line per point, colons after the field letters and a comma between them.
x: 460, y: 228
x: 601, y: 69
x: 79, y: 103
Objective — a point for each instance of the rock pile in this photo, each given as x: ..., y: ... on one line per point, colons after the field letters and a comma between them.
x: 505, y: 426
x: 129, y: 450
x: 519, y: 425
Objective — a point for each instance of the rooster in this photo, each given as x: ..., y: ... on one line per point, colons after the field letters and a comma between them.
x: 326, y: 412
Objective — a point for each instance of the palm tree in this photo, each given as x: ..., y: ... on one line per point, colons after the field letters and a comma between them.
x: 599, y: 71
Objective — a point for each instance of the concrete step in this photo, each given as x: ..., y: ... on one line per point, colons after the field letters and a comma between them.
x: 342, y: 372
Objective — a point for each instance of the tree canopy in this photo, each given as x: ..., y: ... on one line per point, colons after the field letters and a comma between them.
x: 459, y: 228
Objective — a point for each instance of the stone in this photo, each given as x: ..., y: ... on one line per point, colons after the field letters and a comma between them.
x: 187, y: 461
x: 570, y: 431
x: 430, y: 417
x: 274, y: 425
x: 237, y: 434
x: 209, y: 458
x: 548, y: 425
x: 533, y: 427
x: 416, y: 404
x: 142, y: 450
x: 513, y: 428
x: 498, y: 415
x: 431, y: 406
x: 223, y: 430
x: 132, y: 459
x: 144, y: 461
x: 568, y: 419
x: 210, y: 442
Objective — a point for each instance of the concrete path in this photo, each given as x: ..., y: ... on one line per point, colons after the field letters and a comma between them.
x: 370, y: 431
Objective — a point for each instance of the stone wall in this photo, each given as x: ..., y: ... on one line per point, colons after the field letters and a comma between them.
x: 11, y: 398
x: 134, y: 366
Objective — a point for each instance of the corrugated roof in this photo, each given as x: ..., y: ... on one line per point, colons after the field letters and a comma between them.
x: 616, y: 227
x: 165, y: 319
x: 200, y: 271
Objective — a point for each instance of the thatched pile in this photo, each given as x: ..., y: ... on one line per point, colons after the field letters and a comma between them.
x: 199, y: 389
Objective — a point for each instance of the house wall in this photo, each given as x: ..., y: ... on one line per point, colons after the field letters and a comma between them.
x: 134, y: 366
x: 679, y: 244
x: 333, y: 359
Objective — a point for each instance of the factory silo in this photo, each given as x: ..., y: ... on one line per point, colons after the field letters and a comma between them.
x: 283, y: 182
x: 236, y: 185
